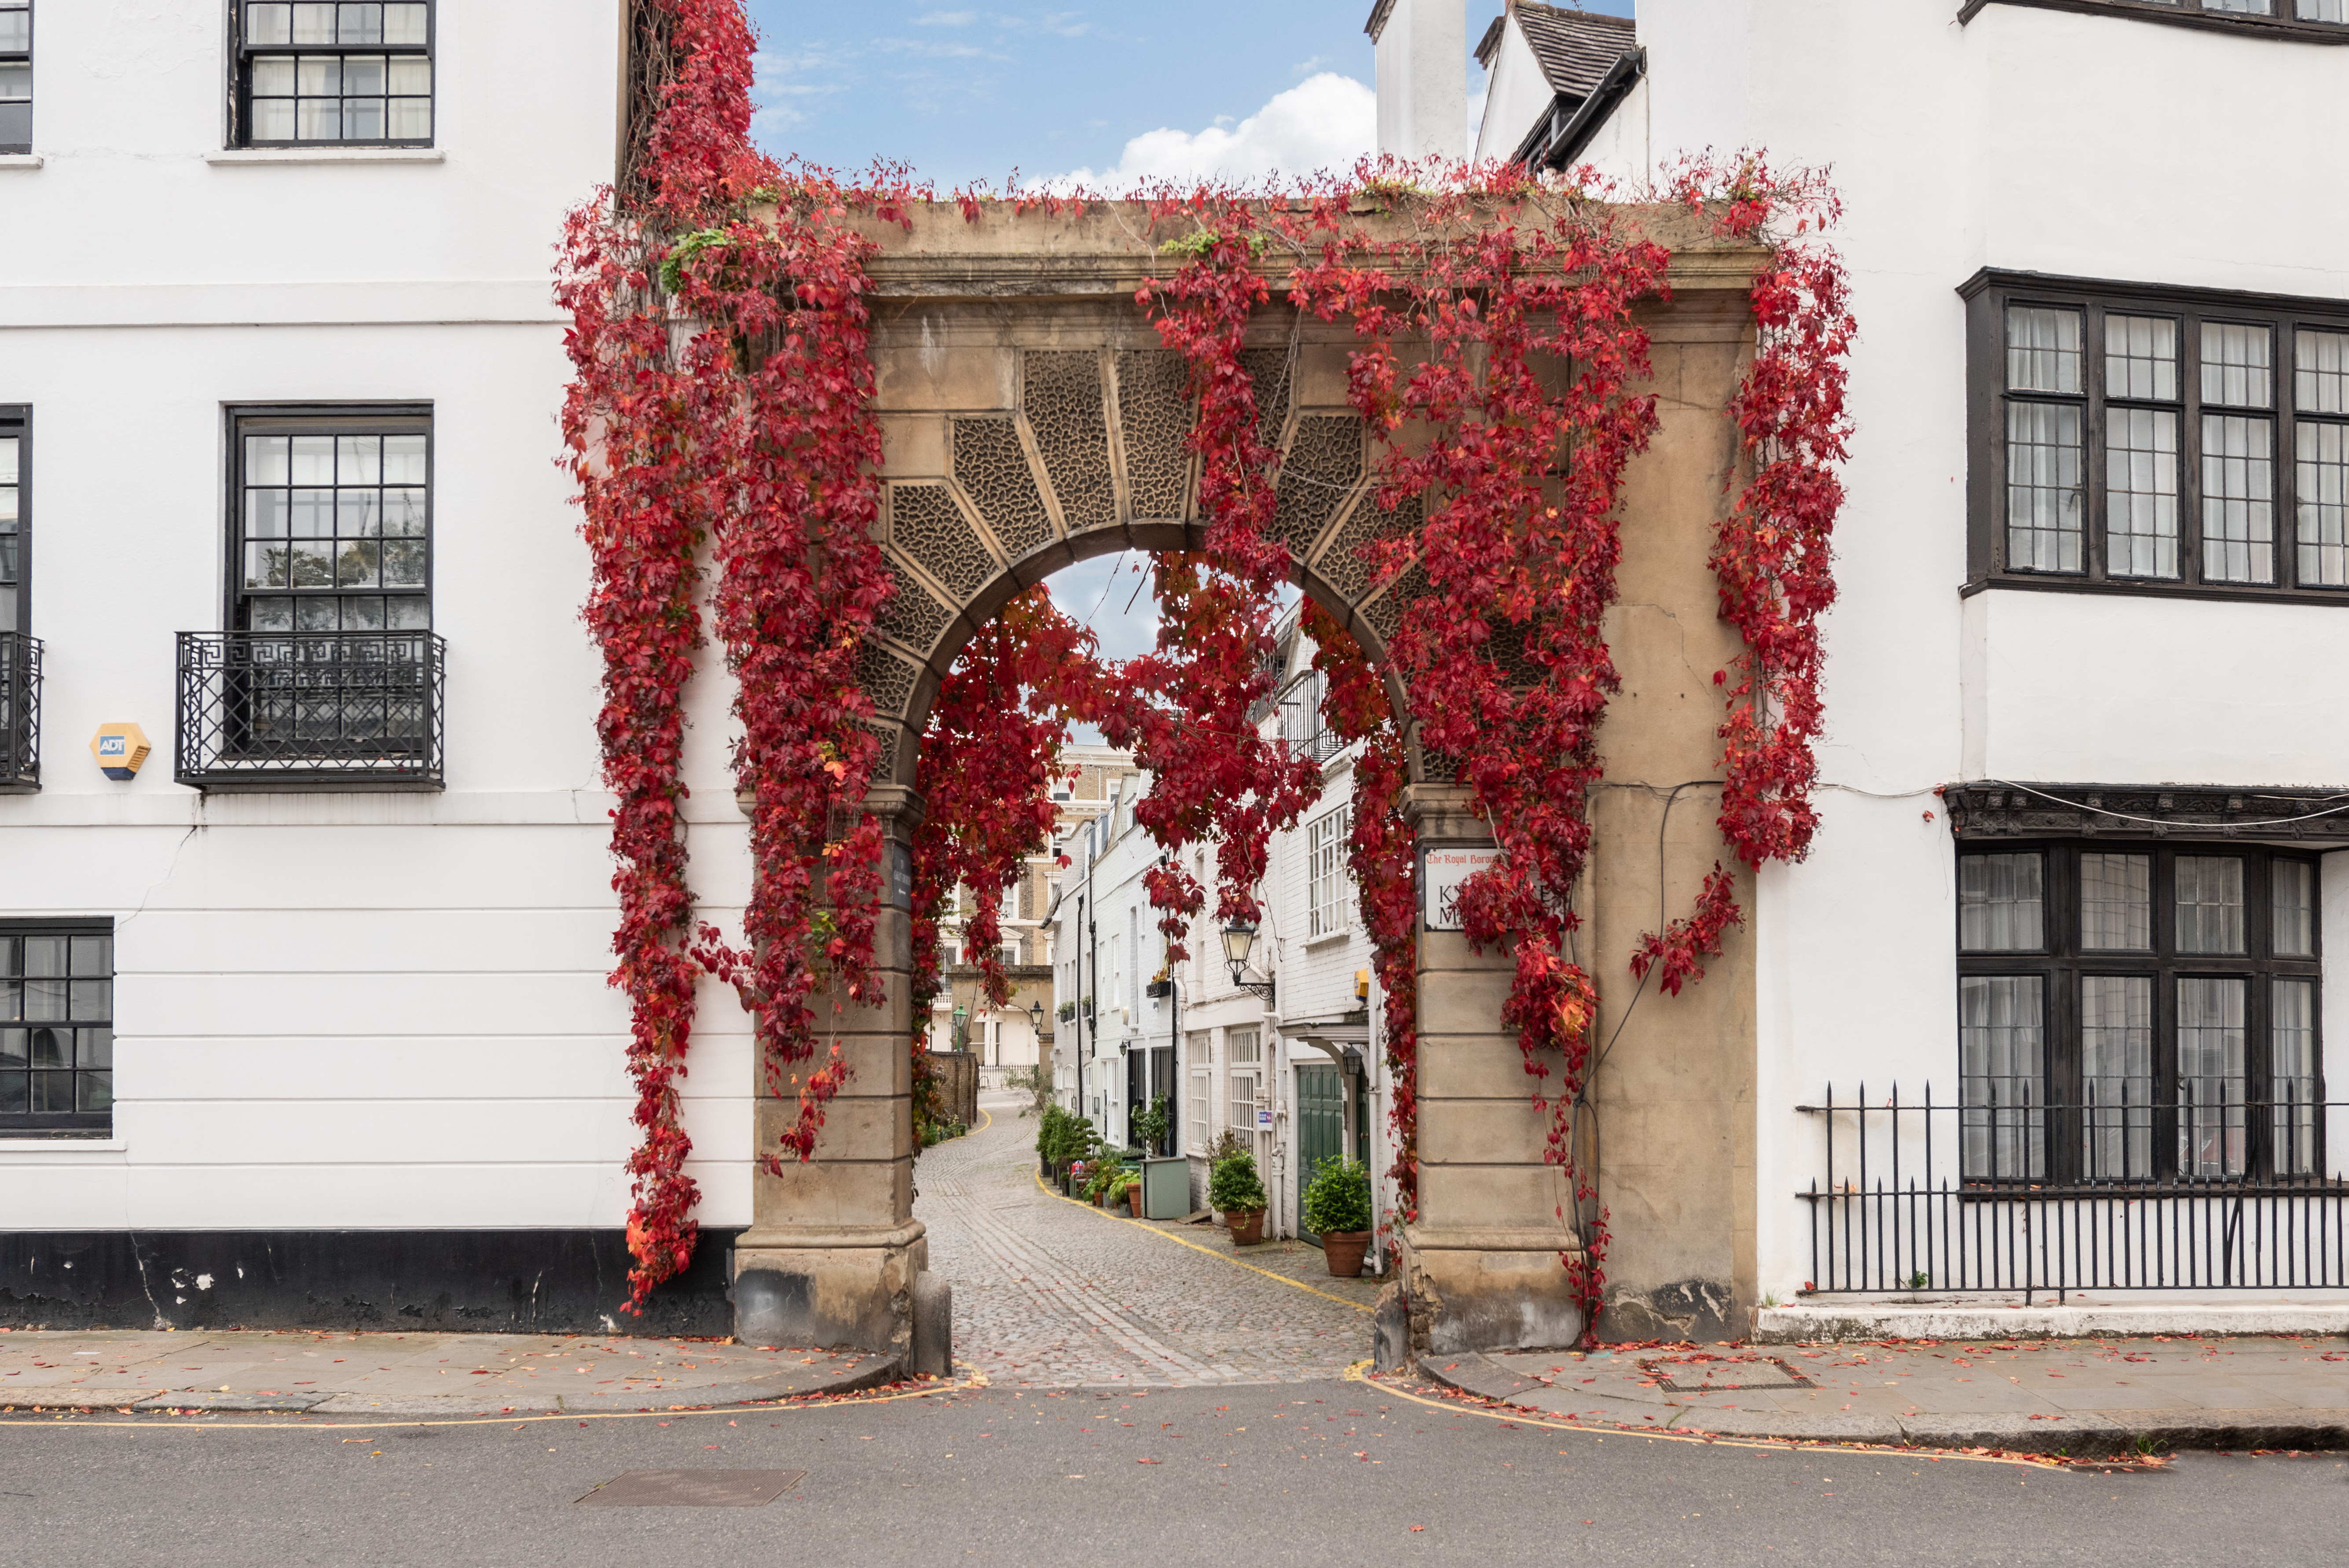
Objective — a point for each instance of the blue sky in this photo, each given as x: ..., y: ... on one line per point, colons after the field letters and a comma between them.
x: 966, y: 90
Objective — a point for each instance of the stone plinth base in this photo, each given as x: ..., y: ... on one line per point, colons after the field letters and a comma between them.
x: 826, y: 1288
x: 1489, y: 1290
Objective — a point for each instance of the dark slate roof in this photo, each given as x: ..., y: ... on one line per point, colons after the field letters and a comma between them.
x: 1575, y: 47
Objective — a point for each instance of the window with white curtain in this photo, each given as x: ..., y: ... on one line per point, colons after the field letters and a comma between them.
x: 15, y: 76
x: 334, y: 73
x: 2264, y: 16
x: 2147, y: 439
x: 2139, y: 1011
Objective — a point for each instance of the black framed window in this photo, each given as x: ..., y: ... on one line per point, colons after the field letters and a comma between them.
x: 57, y: 1025
x: 20, y: 655
x: 15, y: 518
x: 333, y: 73
x: 2139, y: 1011
x: 2147, y: 440
x: 15, y: 76
x: 332, y: 520
x: 2321, y: 20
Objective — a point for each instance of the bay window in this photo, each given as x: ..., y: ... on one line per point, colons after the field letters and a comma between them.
x: 2135, y: 439
x: 2137, y: 1011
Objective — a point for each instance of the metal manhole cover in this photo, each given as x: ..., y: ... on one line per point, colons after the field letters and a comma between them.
x: 1725, y: 1376
x: 693, y: 1488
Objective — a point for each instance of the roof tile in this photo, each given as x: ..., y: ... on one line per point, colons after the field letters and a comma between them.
x: 1574, y: 46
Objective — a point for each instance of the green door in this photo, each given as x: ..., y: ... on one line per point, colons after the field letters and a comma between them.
x: 1320, y: 1129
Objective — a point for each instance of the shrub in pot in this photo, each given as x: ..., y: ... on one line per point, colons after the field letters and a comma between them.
x: 1338, y: 1210
x: 1237, y: 1191
x: 1060, y: 1138
x: 1152, y: 1126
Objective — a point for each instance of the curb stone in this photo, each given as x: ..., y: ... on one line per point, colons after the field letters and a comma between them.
x: 868, y: 1372
x: 2078, y: 1435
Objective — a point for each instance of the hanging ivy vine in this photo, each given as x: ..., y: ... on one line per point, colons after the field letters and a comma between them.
x: 719, y: 428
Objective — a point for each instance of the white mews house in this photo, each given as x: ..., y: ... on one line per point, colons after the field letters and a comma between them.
x: 2085, y: 867
x: 305, y: 1018
x: 1282, y: 1059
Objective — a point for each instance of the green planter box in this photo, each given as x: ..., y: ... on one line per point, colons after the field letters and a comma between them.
x: 1165, y: 1188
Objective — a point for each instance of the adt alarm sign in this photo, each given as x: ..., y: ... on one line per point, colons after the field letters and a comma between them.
x: 1440, y: 873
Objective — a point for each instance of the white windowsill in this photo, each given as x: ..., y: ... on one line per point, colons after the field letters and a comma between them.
x: 1329, y: 939
x: 20, y: 160
x: 328, y: 155
x: 61, y: 1146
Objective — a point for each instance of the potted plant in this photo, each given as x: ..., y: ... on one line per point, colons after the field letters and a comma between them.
x: 1129, y: 1193
x: 1103, y: 1176
x: 1237, y: 1191
x: 1338, y: 1210
x: 1161, y: 983
x: 1151, y: 1125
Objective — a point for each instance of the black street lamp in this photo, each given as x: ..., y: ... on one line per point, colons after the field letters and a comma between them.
x: 1239, y: 938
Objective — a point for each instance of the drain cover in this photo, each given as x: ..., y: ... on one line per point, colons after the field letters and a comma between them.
x: 693, y: 1488
x: 1725, y: 1376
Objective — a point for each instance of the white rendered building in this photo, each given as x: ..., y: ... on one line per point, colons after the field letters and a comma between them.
x: 2082, y: 866
x: 282, y: 379
x: 1284, y: 1055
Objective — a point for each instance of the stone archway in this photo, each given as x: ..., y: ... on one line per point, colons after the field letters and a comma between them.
x: 1085, y: 458
x: 1031, y: 420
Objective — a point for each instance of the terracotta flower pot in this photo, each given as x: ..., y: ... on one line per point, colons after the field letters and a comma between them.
x: 1247, y: 1226
x: 1345, y: 1251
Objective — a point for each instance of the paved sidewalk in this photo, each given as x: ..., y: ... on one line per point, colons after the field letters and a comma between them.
x: 1050, y: 1294
x: 2088, y: 1397
x: 406, y: 1374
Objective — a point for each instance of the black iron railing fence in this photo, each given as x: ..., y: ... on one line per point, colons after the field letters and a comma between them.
x: 1912, y: 1197
x: 20, y: 711
x: 333, y: 710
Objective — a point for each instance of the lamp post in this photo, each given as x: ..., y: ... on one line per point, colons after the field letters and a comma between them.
x: 1239, y: 938
x: 961, y: 1028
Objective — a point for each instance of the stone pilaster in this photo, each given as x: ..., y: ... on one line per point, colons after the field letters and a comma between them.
x: 834, y: 1255
x: 1482, y: 1265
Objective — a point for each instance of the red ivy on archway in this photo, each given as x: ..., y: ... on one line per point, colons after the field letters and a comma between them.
x: 721, y: 403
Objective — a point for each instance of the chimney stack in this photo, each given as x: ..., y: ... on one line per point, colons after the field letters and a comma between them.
x: 1421, y: 60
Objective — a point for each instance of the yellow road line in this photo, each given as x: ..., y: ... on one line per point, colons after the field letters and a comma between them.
x: 1139, y: 1224
x: 973, y: 1379
x: 1358, y: 1373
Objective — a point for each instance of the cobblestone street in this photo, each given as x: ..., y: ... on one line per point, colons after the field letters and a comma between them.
x: 1052, y: 1293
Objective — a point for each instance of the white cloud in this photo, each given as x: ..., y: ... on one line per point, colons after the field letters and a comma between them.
x: 1327, y: 123
x: 930, y: 51
x: 784, y: 84
x: 946, y: 19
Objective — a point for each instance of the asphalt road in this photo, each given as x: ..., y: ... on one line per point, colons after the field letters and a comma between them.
x: 1317, y: 1473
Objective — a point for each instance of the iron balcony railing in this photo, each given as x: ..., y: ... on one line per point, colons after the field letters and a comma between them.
x: 1933, y: 1196
x: 295, y: 710
x: 20, y: 711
